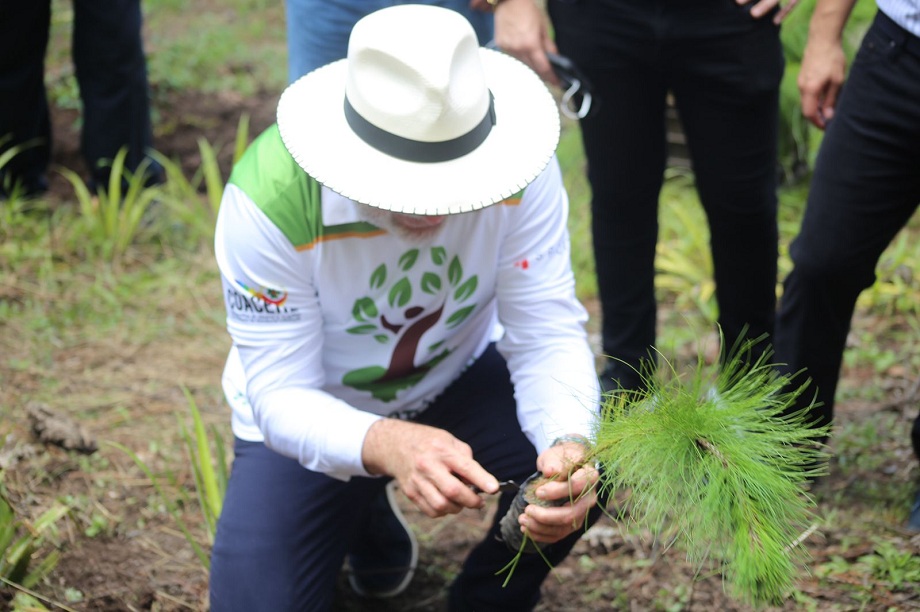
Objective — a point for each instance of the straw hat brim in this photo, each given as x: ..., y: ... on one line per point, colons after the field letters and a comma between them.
x: 311, y: 120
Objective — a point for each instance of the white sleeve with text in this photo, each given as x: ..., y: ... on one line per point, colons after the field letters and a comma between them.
x: 274, y: 319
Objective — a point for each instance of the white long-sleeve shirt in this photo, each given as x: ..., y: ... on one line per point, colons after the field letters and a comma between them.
x: 336, y: 323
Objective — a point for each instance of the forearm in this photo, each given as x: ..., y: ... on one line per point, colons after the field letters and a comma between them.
x: 823, y: 68
x: 828, y: 21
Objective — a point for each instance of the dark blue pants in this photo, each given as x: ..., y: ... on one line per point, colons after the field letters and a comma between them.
x: 865, y: 188
x: 111, y: 73
x: 284, y: 531
x: 724, y: 70
x: 318, y: 30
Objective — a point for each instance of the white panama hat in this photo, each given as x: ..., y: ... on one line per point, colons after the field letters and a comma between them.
x: 419, y: 119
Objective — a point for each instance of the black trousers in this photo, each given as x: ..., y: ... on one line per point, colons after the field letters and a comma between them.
x: 723, y: 68
x: 111, y: 73
x: 865, y: 188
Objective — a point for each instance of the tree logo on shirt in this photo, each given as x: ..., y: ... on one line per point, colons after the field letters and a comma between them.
x: 404, y: 324
x: 269, y: 295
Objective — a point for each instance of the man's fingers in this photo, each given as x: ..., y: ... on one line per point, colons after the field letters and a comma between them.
x: 559, y: 459
x: 429, y: 499
x: 830, y: 103
x: 551, y: 524
x: 446, y: 483
x: 543, y: 68
x: 541, y: 532
x: 784, y: 10
x: 571, y: 489
x: 816, y: 109
x: 809, y: 106
x: 466, y: 473
x: 464, y: 495
x: 762, y: 8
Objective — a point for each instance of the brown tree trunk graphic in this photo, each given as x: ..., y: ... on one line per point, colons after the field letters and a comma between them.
x: 402, y: 363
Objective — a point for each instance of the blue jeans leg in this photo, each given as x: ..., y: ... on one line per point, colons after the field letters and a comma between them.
x: 318, y: 30
x: 283, y: 533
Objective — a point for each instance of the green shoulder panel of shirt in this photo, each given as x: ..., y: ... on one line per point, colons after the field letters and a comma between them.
x: 286, y: 194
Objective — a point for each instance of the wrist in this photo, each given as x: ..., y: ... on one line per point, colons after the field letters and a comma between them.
x: 377, y: 444
x: 574, y: 439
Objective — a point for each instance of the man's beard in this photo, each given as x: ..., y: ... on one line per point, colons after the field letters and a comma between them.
x: 384, y: 219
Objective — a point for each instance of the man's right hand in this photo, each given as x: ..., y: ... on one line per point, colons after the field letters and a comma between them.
x: 521, y: 30
x: 820, y: 80
x: 824, y: 62
x: 434, y: 469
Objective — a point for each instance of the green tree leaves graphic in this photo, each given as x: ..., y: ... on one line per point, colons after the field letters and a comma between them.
x: 405, y: 324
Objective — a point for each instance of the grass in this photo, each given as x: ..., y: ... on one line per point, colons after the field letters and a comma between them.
x: 20, y: 541
x: 110, y: 218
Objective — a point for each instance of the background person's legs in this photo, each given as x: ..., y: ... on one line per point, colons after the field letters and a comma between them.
x: 614, y: 43
x: 725, y: 71
x: 111, y: 71
x: 318, y: 30
x: 24, y: 115
x: 865, y: 188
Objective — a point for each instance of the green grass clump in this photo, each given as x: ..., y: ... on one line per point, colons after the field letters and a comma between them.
x: 111, y: 217
x: 208, y: 457
x: 24, y: 562
x: 715, y: 458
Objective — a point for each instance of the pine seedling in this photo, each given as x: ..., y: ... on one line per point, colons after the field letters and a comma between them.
x: 719, y: 459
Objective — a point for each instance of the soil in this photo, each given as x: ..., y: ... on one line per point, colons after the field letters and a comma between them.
x: 126, y: 552
x: 182, y: 119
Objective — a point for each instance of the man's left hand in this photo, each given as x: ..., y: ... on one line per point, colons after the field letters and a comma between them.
x: 572, y: 480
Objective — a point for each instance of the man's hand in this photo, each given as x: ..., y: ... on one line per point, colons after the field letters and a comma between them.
x: 824, y: 62
x: 434, y: 469
x: 762, y: 7
x: 573, y: 481
x: 521, y: 30
x: 820, y: 80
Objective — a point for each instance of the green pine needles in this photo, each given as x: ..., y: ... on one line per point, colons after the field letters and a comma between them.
x: 714, y: 458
